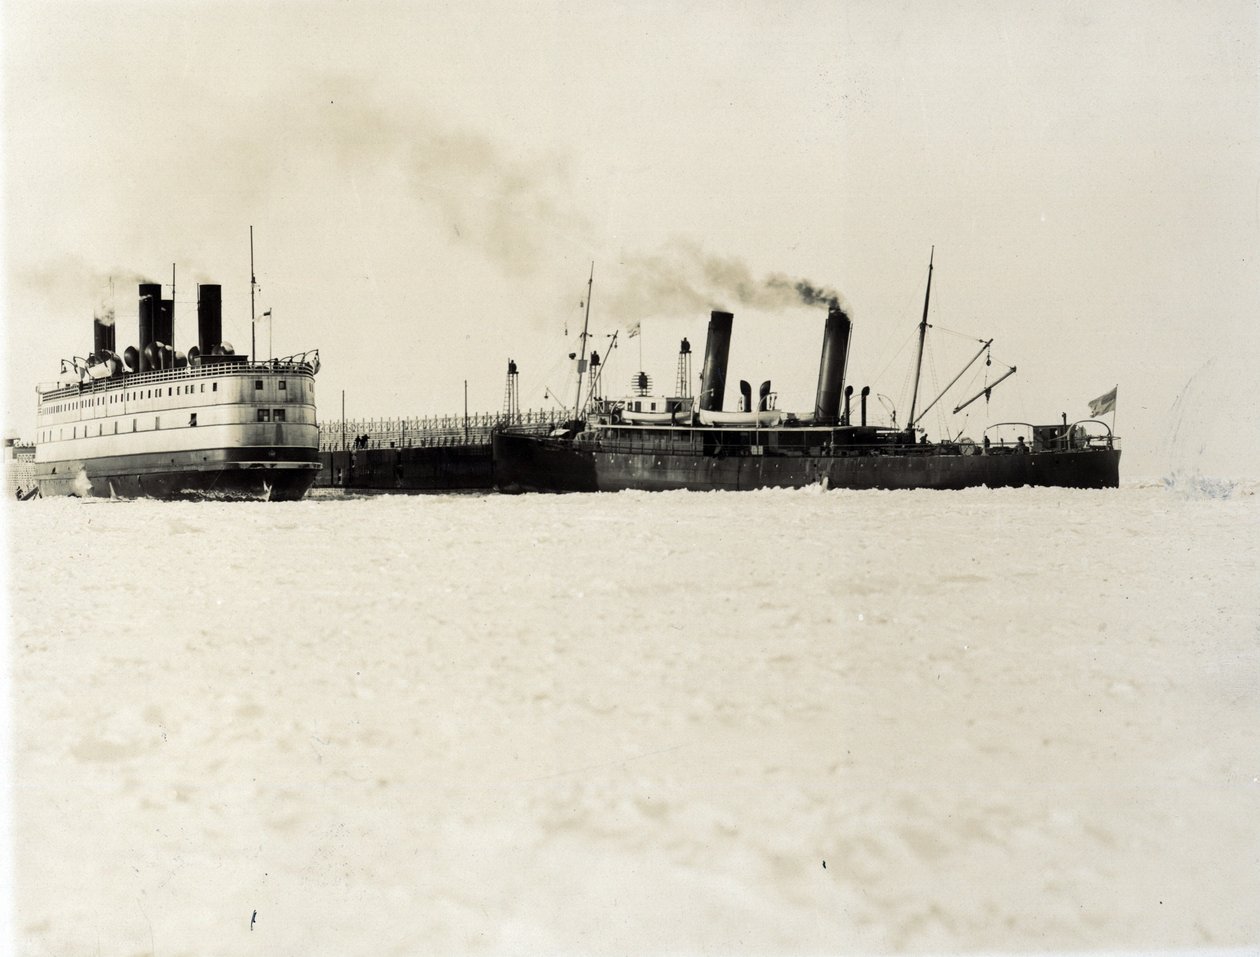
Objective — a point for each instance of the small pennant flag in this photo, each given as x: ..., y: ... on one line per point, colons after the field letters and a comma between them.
x: 632, y: 331
x: 1104, y: 403
x: 266, y: 314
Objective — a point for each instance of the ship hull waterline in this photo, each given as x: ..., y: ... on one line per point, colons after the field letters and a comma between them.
x: 234, y: 474
x: 530, y: 464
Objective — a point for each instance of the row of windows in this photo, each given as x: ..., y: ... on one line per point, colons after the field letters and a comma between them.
x: 129, y: 397
x: 264, y: 415
x: 149, y: 394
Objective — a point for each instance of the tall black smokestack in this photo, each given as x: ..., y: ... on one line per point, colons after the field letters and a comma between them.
x: 209, y: 317
x: 164, y: 325
x: 831, y: 367
x: 103, y: 334
x: 164, y: 329
x: 150, y: 298
x: 716, y: 350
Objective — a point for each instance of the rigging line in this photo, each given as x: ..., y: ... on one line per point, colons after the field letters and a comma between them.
x: 903, y: 394
x: 962, y: 428
x: 977, y: 375
x: 936, y: 380
x: 962, y: 335
x: 904, y: 342
x: 999, y: 363
x: 532, y: 392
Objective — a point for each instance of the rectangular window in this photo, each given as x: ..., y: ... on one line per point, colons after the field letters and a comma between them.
x: 192, y: 419
x: 133, y: 425
x: 278, y: 415
x: 203, y: 387
x: 281, y: 386
x: 157, y: 421
x: 263, y: 415
x: 214, y: 387
x: 257, y: 384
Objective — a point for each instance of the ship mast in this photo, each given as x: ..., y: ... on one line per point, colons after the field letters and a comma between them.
x: 577, y: 402
x: 918, y: 364
x: 252, y: 283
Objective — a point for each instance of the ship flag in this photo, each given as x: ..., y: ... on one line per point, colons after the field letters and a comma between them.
x: 1104, y: 403
x: 633, y: 330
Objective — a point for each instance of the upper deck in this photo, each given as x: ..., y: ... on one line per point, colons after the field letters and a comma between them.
x: 218, y: 402
x: 229, y: 381
x: 216, y: 367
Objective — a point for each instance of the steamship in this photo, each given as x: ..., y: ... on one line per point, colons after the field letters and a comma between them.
x: 156, y: 423
x: 661, y: 442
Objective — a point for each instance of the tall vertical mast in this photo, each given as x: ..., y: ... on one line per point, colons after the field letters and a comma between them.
x: 577, y: 403
x: 918, y: 364
x: 252, y: 347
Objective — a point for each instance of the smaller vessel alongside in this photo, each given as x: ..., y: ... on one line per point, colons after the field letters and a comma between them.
x: 154, y: 422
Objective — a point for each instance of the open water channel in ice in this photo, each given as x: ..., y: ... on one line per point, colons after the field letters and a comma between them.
x: 775, y: 722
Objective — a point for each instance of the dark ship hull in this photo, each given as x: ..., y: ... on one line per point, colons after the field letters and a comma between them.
x: 421, y: 469
x: 525, y: 463
x: 282, y: 475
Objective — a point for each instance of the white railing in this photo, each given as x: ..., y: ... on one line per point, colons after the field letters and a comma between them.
x: 432, y: 430
x: 294, y: 365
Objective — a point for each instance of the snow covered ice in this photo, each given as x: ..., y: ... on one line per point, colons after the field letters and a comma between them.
x: 775, y: 722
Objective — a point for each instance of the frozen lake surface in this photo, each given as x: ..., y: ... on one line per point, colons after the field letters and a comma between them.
x: 773, y: 722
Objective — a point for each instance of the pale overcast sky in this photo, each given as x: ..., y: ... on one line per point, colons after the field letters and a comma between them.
x: 429, y: 184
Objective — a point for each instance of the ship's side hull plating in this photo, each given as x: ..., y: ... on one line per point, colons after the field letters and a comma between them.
x: 530, y: 464
x: 412, y: 469
x: 524, y: 463
x: 265, y: 474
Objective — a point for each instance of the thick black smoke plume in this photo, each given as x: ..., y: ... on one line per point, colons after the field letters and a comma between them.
x: 521, y: 211
x: 683, y: 278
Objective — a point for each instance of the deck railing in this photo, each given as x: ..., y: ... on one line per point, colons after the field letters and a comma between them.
x: 205, y: 370
x: 425, y: 431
